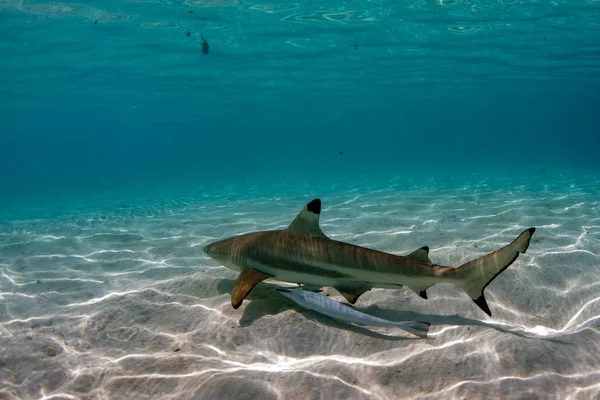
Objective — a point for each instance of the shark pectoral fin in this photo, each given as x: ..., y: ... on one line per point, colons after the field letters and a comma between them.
x: 421, y: 290
x: 421, y: 254
x: 244, y: 283
x: 352, y: 293
x: 307, y: 221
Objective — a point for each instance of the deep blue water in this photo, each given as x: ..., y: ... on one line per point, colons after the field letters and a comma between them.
x: 129, y: 107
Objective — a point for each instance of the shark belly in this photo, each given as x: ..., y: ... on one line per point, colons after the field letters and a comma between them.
x: 304, y: 274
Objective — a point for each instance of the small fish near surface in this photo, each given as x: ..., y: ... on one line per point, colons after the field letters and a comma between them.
x: 303, y: 254
x: 347, y: 314
x: 205, y: 46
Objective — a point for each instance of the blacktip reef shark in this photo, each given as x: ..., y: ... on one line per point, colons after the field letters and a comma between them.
x: 302, y: 254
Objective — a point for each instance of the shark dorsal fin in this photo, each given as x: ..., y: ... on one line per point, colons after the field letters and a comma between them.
x: 421, y: 254
x: 307, y: 221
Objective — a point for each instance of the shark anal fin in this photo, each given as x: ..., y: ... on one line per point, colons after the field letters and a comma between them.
x: 421, y: 254
x: 307, y: 221
x: 244, y: 283
x: 420, y: 289
x: 352, y: 293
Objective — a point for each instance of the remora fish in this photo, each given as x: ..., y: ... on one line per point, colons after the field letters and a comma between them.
x: 347, y: 314
x: 302, y: 254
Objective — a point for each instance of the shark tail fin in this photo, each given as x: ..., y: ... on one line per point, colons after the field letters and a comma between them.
x: 473, y: 277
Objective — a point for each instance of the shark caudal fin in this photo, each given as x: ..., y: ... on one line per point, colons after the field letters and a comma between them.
x: 474, y: 276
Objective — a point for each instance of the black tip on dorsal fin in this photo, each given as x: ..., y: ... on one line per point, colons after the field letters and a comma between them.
x: 314, y: 206
x: 480, y: 301
x: 307, y: 220
x: 423, y: 294
x: 421, y: 254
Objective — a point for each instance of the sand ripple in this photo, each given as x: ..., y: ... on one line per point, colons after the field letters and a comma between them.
x: 127, y: 306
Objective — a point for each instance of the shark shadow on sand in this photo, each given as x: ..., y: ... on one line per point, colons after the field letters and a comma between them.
x: 266, y: 300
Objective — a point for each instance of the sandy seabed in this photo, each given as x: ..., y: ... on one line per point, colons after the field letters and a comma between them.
x: 125, y: 305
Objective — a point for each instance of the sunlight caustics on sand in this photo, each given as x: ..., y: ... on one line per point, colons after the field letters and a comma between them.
x: 128, y: 306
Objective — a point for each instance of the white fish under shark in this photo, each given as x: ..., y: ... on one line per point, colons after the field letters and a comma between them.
x: 348, y: 314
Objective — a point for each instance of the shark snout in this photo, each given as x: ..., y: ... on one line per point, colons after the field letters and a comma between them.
x: 207, y: 249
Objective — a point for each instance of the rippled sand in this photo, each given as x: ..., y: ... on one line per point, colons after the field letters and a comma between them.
x: 124, y: 304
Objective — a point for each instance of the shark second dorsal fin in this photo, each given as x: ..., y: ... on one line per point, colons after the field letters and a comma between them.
x: 421, y: 254
x: 307, y: 221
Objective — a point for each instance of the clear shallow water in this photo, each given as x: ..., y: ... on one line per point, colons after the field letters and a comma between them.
x: 453, y: 124
x: 132, y: 101
x: 124, y: 304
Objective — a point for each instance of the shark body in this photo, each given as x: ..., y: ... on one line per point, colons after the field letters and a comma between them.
x: 303, y: 254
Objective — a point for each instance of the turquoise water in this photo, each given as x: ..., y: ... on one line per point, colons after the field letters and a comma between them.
x: 400, y: 88
x: 456, y: 124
